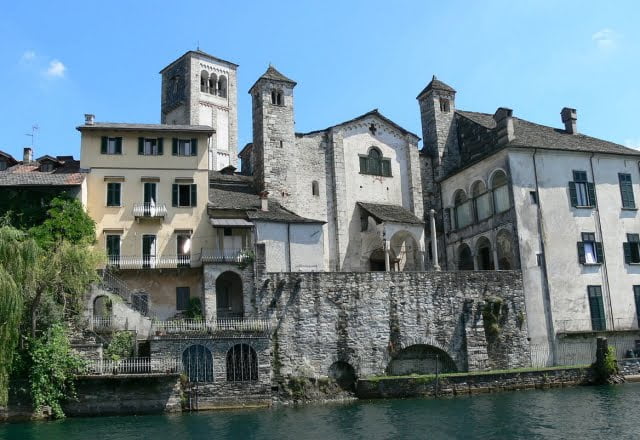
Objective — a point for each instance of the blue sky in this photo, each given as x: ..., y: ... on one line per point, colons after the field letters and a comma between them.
x: 64, y: 59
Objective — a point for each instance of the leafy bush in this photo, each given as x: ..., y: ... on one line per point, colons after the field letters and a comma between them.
x: 121, y: 346
x: 194, y: 311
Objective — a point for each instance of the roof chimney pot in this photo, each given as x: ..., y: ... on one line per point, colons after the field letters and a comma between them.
x: 27, y: 156
x: 570, y: 120
x: 504, y: 125
x: 264, y: 201
x: 89, y: 119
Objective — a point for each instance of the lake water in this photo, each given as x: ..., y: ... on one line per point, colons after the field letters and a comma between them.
x: 607, y: 412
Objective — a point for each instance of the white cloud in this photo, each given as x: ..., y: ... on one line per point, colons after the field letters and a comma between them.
x: 606, y: 39
x: 28, y: 55
x: 633, y: 143
x: 56, y: 69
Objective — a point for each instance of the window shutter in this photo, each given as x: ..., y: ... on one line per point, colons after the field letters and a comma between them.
x: 110, y: 195
x: 174, y: 195
x: 116, y: 191
x: 626, y: 190
x: 573, y: 194
x: 174, y: 147
x: 160, y: 146
x: 591, y: 191
x: 599, y: 252
x: 194, y: 147
x: 386, y: 168
x: 194, y: 194
x: 118, y: 145
x: 581, y: 258
x: 140, y: 145
x: 363, y: 165
x: 103, y: 145
x: 626, y: 248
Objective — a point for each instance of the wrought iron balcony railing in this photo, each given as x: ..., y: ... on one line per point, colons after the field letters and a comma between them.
x: 151, y: 262
x: 226, y: 255
x: 133, y: 366
x: 229, y: 325
x: 149, y: 210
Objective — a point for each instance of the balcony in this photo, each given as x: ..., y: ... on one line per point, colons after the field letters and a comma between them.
x: 152, y: 262
x: 578, y: 326
x: 227, y: 255
x: 248, y: 327
x: 149, y: 210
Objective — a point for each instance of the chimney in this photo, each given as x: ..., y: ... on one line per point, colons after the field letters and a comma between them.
x: 504, y: 125
x: 89, y: 119
x: 27, y: 156
x: 570, y: 119
x: 264, y: 201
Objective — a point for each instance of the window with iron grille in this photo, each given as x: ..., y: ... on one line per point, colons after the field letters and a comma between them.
x: 626, y: 191
x: 581, y: 191
x: 590, y: 251
x: 197, y: 363
x: 596, y: 308
x: 631, y: 249
x: 242, y: 363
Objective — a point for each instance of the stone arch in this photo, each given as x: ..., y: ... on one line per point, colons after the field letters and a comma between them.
x: 465, y: 257
x: 204, y: 81
x: 102, y: 306
x: 242, y: 363
x: 498, y: 177
x: 421, y: 359
x: 459, y: 197
x: 477, y: 188
x: 376, y: 260
x: 406, y: 251
x: 229, y: 295
x: 222, y: 86
x: 484, y: 255
x: 197, y: 363
x: 344, y: 374
x: 505, y: 247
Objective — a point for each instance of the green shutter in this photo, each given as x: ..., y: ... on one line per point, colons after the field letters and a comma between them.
x: 174, y: 195
x: 103, y: 145
x: 581, y: 258
x: 596, y: 308
x: 386, y: 168
x: 174, y: 147
x: 118, y: 145
x: 194, y: 147
x: 194, y: 194
x: 117, y: 193
x: 363, y: 165
x: 140, y: 145
x: 591, y: 192
x: 626, y: 249
x: 599, y: 252
x: 160, y: 146
x: 636, y: 295
x: 573, y: 194
x: 626, y: 190
x: 109, y: 195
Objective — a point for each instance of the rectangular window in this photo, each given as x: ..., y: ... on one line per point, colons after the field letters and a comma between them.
x: 111, y: 145
x: 183, y: 295
x: 590, y: 251
x: 148, y: 251
x: 113, y: 249
x: 184, y: 195
x: 183, y: 242
x: 636, y: 297
x: 596, y: 308
x: 150, y: 146
x: 534, y: 197
x: 113, y: 194
x: 581, y: 192
x: 626, y: 191
x: 632, y: 249
x: 184, y: 147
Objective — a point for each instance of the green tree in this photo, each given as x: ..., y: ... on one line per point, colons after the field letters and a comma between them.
x: 66, y: 220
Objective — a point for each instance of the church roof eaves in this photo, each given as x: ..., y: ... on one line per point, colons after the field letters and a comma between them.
x: 202, y: 54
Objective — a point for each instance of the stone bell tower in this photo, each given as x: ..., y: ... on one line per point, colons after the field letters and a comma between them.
x: 200, y: 89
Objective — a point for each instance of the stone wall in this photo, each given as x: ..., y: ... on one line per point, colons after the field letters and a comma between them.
x: 629, y: 367
x: 471, y: 384
x: 124, y: 394
x: 365, y: 319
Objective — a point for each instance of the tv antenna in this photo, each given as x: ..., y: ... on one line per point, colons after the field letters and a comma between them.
x: 32, y: 135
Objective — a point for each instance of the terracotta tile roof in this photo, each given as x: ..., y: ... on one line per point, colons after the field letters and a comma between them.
x: 66, y: 173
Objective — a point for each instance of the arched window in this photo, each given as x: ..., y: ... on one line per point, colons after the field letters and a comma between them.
x: 204, y: 81
x: 484, y: 254
x: 500, y: 190
x: 279, y: 100
x: 465, y: 258
x: 212, y: 84
x: 444, y: 105
x: 482, y: 200
x: 375, y: 164
x: 462, y: 213
x: 222, y: 86
x: 197, y: 363
x: 274, y: 97
x: 315, y: 188
x: 242, y: 363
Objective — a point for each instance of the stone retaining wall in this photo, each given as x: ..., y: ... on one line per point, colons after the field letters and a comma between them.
x: 471, y: 384
x: 629, y: 367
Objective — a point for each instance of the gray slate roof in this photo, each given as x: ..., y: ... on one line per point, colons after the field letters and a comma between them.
x: 390, y: 213
x: 532, y: 135
x: 228, y: 195
x: 201, y: 54
x: 146, y: 127
x: 68, y: 173
x: 435, y: 83
x: 273, y: 74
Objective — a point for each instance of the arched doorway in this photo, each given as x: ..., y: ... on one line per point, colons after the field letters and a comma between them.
x: 465, y: 258
x: 483, y: 254
x: 421, y: 359
x: 242, y: 363
x: 344, y: 375
x: 405, y: 248
x: 229, y: 297
x: 506, y: 254
x: 102, y: 313
x: 376, y: 261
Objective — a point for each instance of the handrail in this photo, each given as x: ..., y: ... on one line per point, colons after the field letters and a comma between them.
x: 131, y: 366
x: 226, y: 255
x: 177, y: 326
x: 148, y: 209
